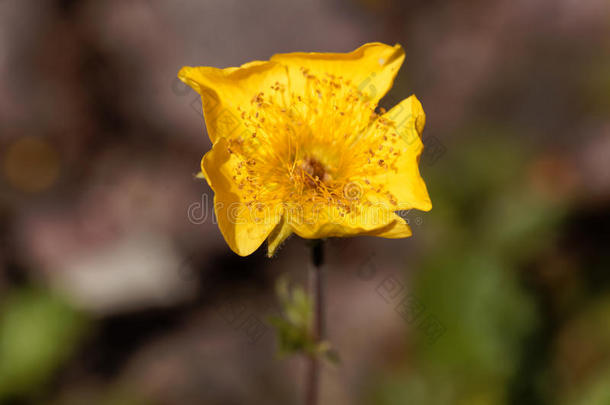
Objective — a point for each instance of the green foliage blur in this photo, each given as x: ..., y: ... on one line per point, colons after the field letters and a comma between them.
x: 493, y: 232
x: 38, y: 331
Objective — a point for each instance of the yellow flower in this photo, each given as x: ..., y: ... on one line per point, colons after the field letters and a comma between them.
x: 298, y: 147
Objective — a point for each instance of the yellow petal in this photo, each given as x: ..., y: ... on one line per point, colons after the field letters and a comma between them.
x: 244, y: 228
x: 224, y: 90
x: 314, y: 222
x: 282, y: 231
x: 396, y: 229
x: 371, y: 68
x: 404, y: 181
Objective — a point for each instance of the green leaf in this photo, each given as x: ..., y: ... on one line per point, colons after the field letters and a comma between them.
x: 38, y: 331
x: 293, y: 328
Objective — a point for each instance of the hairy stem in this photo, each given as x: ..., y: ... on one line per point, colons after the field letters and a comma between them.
x: 318, y: 332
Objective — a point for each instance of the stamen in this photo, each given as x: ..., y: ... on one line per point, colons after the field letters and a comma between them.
x: 291, y: 152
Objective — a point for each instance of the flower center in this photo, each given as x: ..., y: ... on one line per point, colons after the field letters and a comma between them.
x: 319, y: 144
x: 314, y: 172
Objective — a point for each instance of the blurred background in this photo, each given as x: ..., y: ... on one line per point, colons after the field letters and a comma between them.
x: 117, y: 288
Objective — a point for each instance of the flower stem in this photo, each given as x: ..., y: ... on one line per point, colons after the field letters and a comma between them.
x: 318, y: 332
